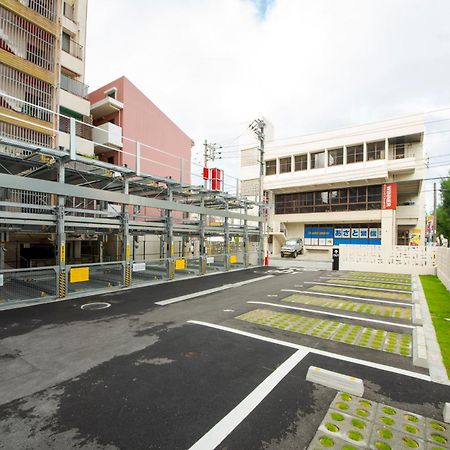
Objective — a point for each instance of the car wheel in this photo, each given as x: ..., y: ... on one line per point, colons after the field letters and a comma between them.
x: 295, y: 255
x: 301, y: 251
x: 282, y: 255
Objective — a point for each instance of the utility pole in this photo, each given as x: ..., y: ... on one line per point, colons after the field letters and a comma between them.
x: 434, y: 212
x: 258, y: 126
x: 209, y: 154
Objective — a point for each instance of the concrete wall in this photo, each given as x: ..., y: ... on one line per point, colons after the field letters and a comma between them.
x: 443, y: 265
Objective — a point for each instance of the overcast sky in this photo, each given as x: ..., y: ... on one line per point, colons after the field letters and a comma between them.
x: 306, y: 65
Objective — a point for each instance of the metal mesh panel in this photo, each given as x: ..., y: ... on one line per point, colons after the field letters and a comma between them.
x: 26, y: 284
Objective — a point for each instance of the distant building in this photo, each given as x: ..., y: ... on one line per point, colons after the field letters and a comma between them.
x: 128, y: 116
x: 359, y: 185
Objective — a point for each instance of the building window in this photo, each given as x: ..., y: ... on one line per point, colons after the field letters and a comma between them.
x: 355, y: 153
x: 399, y: 151
x: 285, y: 164
x: 65, y: 42
x: 318, y: 160
x: 271, y: 167
x: 336, y: 157
x: 346, y: 199
x: 375, y: 150
x: 301, y: 162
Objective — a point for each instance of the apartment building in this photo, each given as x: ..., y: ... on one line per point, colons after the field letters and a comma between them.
x: 132, y: 130
x: 359, y: 185
x: 42, y: 66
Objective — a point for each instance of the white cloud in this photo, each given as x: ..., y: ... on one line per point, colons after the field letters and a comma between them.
x: 308, y: 66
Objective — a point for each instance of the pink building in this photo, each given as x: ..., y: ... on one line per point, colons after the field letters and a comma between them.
x: 126, y: 116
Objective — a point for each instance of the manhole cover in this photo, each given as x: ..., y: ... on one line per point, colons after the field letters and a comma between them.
x: 95, y: 305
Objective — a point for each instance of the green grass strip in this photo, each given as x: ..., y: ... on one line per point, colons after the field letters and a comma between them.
x: 362, y: 292
x: 332, y: 330
x: 438, y: 299
x: 344, y: 305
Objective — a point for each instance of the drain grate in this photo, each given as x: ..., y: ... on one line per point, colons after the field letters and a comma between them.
x: 95, y: 305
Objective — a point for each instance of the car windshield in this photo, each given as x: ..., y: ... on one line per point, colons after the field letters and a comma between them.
x: 291, y: 242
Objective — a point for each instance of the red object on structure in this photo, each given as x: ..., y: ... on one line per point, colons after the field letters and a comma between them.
x: 389, y: 196
x: 266, y: 259
x: 205, y: 173
x: 216, y: 179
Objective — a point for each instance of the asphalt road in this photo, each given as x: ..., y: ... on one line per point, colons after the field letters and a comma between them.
x: 137, y: 375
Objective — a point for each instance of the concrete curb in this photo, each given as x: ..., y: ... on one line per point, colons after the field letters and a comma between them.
x: 417, y: 315
x: 436, y: 366
x: 447, y: 413
x: 335, y: 380
x: 420, y: 357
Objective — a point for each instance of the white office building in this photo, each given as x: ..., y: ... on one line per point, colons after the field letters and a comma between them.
x: 360, y: 185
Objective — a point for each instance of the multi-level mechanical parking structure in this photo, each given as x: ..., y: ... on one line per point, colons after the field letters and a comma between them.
x: 58, y: 196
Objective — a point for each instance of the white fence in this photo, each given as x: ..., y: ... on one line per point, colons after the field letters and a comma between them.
x: 398, y: 259
x: 443, y: 265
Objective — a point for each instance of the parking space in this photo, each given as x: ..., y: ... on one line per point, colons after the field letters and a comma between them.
x: 212, y: 362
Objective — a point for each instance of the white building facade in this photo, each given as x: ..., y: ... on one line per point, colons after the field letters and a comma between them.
x: 361, y: 185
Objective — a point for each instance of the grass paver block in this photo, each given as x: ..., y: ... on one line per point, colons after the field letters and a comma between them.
x: 346, y: 305
x: 374, y: 284
x: 384, y: 427
x: 405, y: 283
x: 397, y: 276
x: 362, y: 292
x: 373, y: 338
x: 438, y: 299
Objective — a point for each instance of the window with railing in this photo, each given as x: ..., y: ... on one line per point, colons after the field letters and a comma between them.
x: 285, y: 164
x: 355, y: 153
x: 301, y: 162
x: 336, y: 157
x: 83, y: 125
x: 271, y: 167
x: 69, y: 11
x: 15, y: 132
x: 318, y: 160
x: 68, y: 45
x: 26, y: 40
x: 73, y: 86
x: 376, y: 150
x: 45, y: 8
x: 345, y: 199
x: 32, y: 96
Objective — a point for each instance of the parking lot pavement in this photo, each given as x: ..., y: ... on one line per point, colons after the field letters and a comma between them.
x: 140, y: 375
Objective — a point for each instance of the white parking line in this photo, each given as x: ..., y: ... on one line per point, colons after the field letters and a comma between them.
x: 362, y: 362
x: 364, y: 299
x: 181, y: 298
x: 359, y: 287
x: 345, y: 316
x: 225, y: 426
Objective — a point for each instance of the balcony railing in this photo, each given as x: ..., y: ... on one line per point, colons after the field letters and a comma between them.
x: 73, y: 86
x: 73, y: 48
x: 401, y: 151
x: 82, y: 129
x: 45, y: 8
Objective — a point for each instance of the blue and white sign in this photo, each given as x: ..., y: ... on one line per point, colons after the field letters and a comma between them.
x: 363, y: 233
x: 337, y: 233
x: 345, y: 232
x: 373, y: 233
x: 355, y: 233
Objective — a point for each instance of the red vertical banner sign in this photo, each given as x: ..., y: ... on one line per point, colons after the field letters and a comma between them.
x: 389, y: 196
